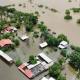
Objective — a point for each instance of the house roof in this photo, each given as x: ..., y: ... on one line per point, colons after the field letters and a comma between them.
x: 47, y: 59
x: 25, y: 71
x: 5, y: 56
x: 44, y: 44
x: 63, y: 43
x: 23, y: 37
x: 4, y: 42
x: 44, y: 78
x: 51, y: 78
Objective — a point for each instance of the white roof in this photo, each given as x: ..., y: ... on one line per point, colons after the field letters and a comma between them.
x: 62, y: 47
x: 44, y: 78
x: 47, y: 59
x: 23, y: 37
x: 5, y: 56
x: 14, y: 28
x: 33, y: 65
x: 44, y: 44
x: 51, y: 78
x: 63, y: 43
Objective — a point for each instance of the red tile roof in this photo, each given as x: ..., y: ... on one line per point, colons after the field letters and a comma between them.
x: 25, y: 71
x: 4, y: 42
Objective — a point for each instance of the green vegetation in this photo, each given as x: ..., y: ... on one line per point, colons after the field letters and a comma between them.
x: 32, y: 59
x: 62, y: 37
x: 52, y: 41
x: 61, y: 77
x: 40, y: 6
x: 67, y: 16
x: 54, y: 10
x: 67, y: 12
x: 64, y: 52
x: 55, y: 70
x: 75, y: 59
x: 76, y: 10
x: 18, y: 62
x: 17, y: 18
x: 16, y: 42
x: 75, y: 48
x: 78, y: 21
x: 36, y: 34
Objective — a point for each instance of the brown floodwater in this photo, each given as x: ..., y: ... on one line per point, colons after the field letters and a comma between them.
x: 54, y: 21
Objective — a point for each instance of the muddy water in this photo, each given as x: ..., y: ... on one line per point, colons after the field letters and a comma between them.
x: 54, y: 21
x: 8, y: 72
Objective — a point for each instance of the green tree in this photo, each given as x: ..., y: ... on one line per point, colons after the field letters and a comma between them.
x: 32, y: 59
x: 55, y: 70
x: 61, y: 77
x: 67, y: 12
x: 62, y: 37
x: 75, y: 59
x: 52, y: 41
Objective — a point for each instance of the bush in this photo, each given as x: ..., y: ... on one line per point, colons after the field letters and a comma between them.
x: 62, y: 37
x: 18, y: 62
x: 67, y: 12
x: 78, y: 21
x: 52, y: 41
x: 68, y: 17
x: 75, y: 60
x: 64, y: 52
x: 36, y: 34
x: 16, y: 42
x: 76, y: 48
x: 55, y: 70
x: 76, y: 10
x: 32, y: 59
x: 61, y: 77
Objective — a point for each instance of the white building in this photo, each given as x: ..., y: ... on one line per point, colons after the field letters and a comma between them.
x: 44, y: 44
x: 6, y: 57
x: 44, y: 57
x: 24, y: 37
x: 51, y: 78
x: 63, y: 44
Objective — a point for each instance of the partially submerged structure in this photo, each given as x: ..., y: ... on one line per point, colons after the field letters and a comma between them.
x: 32, y: 70
x: 9, y: 29
x: 6, y: 57
x: 5, y: 42
x: 44, y: 44
x: 24, y: 37
x: 51, y: 78
x: 63, y: 45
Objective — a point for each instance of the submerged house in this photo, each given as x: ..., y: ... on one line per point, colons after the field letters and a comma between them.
x: 51, y: 78
x: 63, y: 45
x: 5, y: 42
x: 32, y: 70
x: 6, y: 57
x: 44, y: 44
